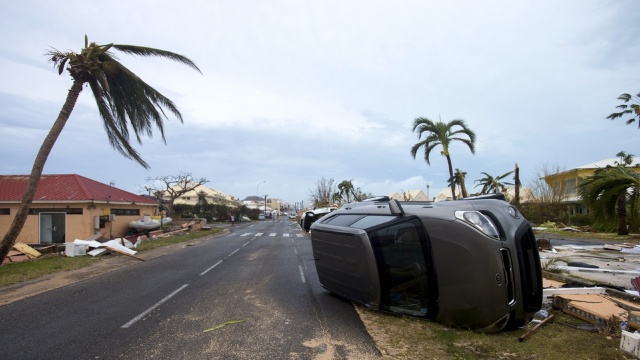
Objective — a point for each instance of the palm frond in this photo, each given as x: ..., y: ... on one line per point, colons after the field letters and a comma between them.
x: 147, y: 51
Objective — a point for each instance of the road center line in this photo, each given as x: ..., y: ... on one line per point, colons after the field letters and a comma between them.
x: 135, y: 319
x: 214, y: 265
x: 302, y: 274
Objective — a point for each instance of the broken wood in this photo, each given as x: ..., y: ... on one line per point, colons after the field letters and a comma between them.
x: 535, y: 328
x: 27, y: 250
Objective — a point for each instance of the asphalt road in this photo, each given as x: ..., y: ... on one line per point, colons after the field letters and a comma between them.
x: 250, y: 294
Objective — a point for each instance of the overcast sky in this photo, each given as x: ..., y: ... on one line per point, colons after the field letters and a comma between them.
x: 294, y: 91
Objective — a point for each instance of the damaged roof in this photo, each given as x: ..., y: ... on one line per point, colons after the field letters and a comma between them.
x: 66, y: 187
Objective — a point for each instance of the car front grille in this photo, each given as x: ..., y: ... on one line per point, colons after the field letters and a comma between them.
x: 529, y: 266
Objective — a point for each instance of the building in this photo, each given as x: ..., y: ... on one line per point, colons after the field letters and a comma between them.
x: 202, y: 192
x: 565, y: 183
x: 68, y: 207
x: 410, y: 195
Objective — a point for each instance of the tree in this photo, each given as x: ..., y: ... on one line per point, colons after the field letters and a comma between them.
x: 323, y: 194
x: 442, y: 134
x: 124, y: 102
x: 606, y: 192
x: 632, y: 109
x: 516, y: 184
x: 493, y: 185
x: 346, y: 192
x: 458, y: 181
x: 174, y: 186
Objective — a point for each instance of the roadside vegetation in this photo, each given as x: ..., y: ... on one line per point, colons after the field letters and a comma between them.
x: 399, y: 337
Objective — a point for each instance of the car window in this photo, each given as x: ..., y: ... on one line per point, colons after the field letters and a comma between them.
x: 401, y: 254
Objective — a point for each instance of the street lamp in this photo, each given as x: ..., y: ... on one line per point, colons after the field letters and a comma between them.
x: 258, y: 186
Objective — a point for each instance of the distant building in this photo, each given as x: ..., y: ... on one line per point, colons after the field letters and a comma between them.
x: 410, y: 195
x: 202, y: 192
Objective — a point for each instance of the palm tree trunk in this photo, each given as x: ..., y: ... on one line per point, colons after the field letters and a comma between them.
x: 621, y: 211
x: 38, y: 165
x: 453, y: 185
x: 516, y: 177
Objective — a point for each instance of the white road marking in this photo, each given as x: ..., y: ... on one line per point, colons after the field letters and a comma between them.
x: 258, y: 234
x: 302, y: 274
x: 272, y: 234
x: 135, y: 319
x: 214, y: 265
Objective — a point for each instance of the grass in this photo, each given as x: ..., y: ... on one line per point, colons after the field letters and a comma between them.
x: 14, y: 273
x: 400, y: 337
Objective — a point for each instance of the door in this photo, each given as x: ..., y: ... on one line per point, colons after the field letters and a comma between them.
x: 52, y: 228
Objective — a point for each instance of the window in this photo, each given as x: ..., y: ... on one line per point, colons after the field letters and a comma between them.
x: 405, y: 270
x: 5, y: 211
x: 126, y: 212
x: 67, y: 210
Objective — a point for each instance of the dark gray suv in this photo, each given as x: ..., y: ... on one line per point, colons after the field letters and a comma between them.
x: 469, y: 263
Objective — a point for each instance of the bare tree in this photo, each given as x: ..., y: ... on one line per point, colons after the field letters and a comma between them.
x: 173, y: 186
x: 323, y: 194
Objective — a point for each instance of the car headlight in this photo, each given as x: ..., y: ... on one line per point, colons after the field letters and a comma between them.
x: 479, y: 221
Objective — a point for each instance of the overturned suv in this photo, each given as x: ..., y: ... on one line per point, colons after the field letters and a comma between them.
x: 470, y: 263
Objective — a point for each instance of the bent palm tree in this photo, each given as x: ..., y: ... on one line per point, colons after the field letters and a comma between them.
x: 632, y: 109
x: 124, y: 101
x: 492, y: 184
x: 605, y: 193
x: 442, y: 134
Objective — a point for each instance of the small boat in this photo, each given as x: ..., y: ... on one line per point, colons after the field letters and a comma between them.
x: 148, y: 223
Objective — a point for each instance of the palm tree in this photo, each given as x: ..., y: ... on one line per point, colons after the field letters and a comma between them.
x: 346, y: 192
x: 632, y: 109
x: 605, y: 193
x: 442, y: 134
x: 458, y: 180
x: 124, y: 101
x: 493, y: 185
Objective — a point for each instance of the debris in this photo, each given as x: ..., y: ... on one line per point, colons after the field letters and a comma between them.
x: 582, y: 265
x: 593, y: 308
x: 27, y: 250
x: 112, y: 245
x: 630, y: 342
x: 224, y: 324
x: 535, y: 328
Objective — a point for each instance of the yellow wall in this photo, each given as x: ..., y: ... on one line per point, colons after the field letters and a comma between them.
x: 80, y: 226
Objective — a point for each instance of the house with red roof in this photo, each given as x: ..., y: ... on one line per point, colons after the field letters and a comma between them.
x: 69, y: 206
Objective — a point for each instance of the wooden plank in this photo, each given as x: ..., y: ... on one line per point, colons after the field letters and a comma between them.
x: 27, y: 250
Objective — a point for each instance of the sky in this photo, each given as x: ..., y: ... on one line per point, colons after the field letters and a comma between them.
x: 293, y: 92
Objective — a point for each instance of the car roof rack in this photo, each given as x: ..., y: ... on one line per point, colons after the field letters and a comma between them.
x: 377, y: 198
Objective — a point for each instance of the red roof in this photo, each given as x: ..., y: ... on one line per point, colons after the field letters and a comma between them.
x: 66, y: 187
